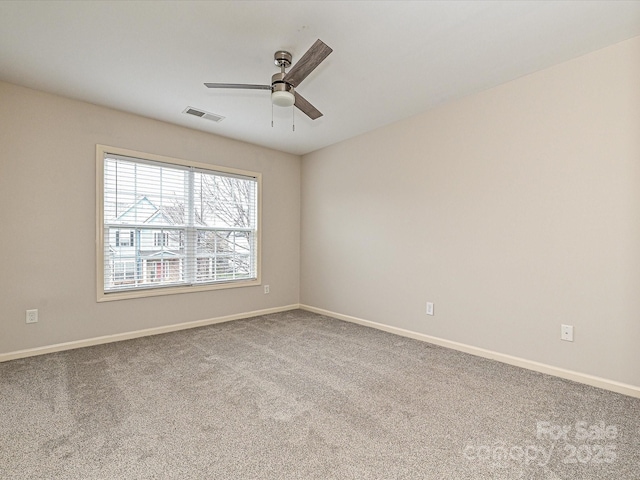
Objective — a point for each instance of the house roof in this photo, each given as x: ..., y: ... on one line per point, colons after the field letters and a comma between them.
x: 151, y: 213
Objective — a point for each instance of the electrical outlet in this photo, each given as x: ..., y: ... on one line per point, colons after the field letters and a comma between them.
x: 566, y: 333
x: 32, y: 316
x: 429, y: 308
x: 266, y: 289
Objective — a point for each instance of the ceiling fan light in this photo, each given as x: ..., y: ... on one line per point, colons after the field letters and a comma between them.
x: 283, y: 99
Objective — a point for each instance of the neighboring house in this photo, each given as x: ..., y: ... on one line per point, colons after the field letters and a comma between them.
x: 147, y: 245
x: 149, y: 249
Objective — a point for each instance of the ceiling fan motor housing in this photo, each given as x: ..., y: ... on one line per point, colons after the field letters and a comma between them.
x: 282, y: 93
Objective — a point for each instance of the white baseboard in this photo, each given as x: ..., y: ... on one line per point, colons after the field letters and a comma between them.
x: 612, y: 385
x: 31, y: 352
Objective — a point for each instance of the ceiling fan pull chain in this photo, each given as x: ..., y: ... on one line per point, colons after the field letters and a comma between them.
x: 271, y: 114
x: 293, y: 118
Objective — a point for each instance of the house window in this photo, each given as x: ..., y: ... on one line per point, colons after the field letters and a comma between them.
x: 160, y: 239
x: 124, y: 272
x: 171, y: 226
x: 124, y: 238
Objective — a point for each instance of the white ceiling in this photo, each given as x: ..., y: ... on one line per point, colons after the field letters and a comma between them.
x: 391, y: 60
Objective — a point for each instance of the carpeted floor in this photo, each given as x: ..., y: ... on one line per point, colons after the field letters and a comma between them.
x: 297, y: 395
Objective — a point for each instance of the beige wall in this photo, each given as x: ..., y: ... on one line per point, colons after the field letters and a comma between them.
x: 513, y: 210
x: 47, y: 199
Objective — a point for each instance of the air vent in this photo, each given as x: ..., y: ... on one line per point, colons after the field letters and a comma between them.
x: 197, y: 113
x: 202, y: 114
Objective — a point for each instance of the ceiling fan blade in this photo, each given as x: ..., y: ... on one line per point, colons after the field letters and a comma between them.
x: 244, y: 86
x: 306, y: 108
x: 307, y: 63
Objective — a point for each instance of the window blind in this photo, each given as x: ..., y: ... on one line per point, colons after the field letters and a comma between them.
x: 168, y: 225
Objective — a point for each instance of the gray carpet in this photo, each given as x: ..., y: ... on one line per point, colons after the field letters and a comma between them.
x: 302, y: 396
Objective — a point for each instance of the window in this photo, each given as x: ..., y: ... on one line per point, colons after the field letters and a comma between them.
x: 124, y: 238
x: 124, y: 272
x: 160, y: 239
x: 171, y: 226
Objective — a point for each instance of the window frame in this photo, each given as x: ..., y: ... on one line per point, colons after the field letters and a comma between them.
x: 102, y: 296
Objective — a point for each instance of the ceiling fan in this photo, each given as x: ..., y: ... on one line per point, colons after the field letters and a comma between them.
x: 283, y: 84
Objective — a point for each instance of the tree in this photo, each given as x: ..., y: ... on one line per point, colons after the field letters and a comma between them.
x: 223, y: 217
